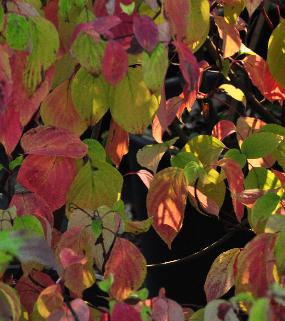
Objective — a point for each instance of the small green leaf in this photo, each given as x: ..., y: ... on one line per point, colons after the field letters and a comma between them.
x: 16, y: 162
x: 260, y: 144
x: 261, y: 178
x: 119, y: 207
x: 64, y: 7
x: 97, y: 227
x: 192, y: 171
x: 95, y: 150
x: 18, y: 31
x: 1, y: 166
x: 243, y: 297
x: 182, y: 159
x: 128, y: 8
x: 141, y: 294
x: 145, y: 313
x: 29, y: 223
x: 259, y: 311
x: 237, y: 156
x: 106, y: 284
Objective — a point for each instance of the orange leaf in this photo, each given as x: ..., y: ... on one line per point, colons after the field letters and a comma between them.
x: 128, y: 267
x: 166, y: 201
x: 52, y: 141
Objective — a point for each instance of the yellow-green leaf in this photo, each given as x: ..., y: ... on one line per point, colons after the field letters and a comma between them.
x: 233, y: 9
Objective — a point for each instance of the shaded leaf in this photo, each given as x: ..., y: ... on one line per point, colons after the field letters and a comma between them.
x: 16, y: 162
x: 146, y: 32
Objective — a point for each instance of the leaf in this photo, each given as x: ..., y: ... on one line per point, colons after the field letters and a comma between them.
x: 145, y: 176
x: 260, y: 310
x: 193, y: 25
x: 192, y: 171
x: 29, y: 223
x: 66, y: 313
x: 235, y: 180
x: 16, y: 162
x: 166, y: 201
x: 138, y: 227
x: 117, y: 143
x: 262, y: 178
x: 123, y: 311
x: 106, y: 284
x: 17, y: 32
x: 230, y: 35
x: 154, y: 67
x: 198, y: 315
x: 128, y: 267
x: 220, y: 278
x: 10, y: 308
x: 275, y: 224
x: 237, y: 156
x: 260, y: 144
x: 146, y: 32
x: 206, y: 148
x: 95, y: 150
x: 252, y: 5
x: 52, y: 141
x: 275, y: 54
x: 43, y: 52
x: 132, y: 105
x: 7, y: 217
x: 182, y: 159
x: 128, y: 9
x: 252, y: 277
x: 233, y: 92
x: 94, y: 103
x: 49, y: 177
x: 263, y: 208
x: 220, y: 309
x: 6, y: 85
x: 150, y: 155
x: 279, y: 252
x: 115, y: 62
x: 246, y: 126
x: 233, y: 9
x: 58, y: 110
x: 223, y: 129
x: 258, y: 71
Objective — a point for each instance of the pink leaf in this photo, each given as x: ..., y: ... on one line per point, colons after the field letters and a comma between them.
x: 223, y: 129
x: 123, y: 311
x: 115, y: 62
x: 145, y: 176
x: 146, y: 32
x: 68, y: 257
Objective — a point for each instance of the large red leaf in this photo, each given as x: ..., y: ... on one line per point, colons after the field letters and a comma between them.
x: 235, y: 180
x: 115, y: 62
x: 117, y: 143
x: 220, y: 278
x: 10, y: 129
x: 223, y: 129
x: 123, y: 311
x: 260, y: 75
x: 6, y: 83
x: 128, y: 267
x: 146, y: 32
x: 50, y: 177
x: 52, y: 141
x: 166, y: 201
x: 253, y: 277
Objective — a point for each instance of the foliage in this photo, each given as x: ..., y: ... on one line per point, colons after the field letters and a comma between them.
x: 69, y: 66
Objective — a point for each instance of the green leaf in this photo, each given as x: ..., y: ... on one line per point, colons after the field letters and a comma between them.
x: 106, y: 284
x: 237, y: 156
x: 94, y: 103
x: 1, y: 166
x: 273, y: 128
x: 154, y: 67
x: 234, y: 92
x: 97, y: 227
x: 119, y: 207
x: 2, y: 15
x: 141, y: 294
x: 198, y: 315
x: 131, y: 103
x: 18, y: 31
x: 261, y: 178
x: 182, y: 159
x: 8, y: 245
x: 192, y: 171
x: 279, y: 252
x: 279, y: 154
x: 263, y: 208
x: 275, y: 54
x: 95, y: 150
x: 260, y: 144
x: 259, y: 311
x: 29, y: 223
x: 275, y: 224
x: 145, y: 313
x: 64, y: 7
x: 16, y: 162
x: 128, y: 8
x: 43, y: 52
x: 233, y: 10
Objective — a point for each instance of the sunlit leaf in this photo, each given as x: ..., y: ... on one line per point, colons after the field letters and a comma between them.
x: 237, y: 156
x: 233, y: 92
x: 232, y: 10
x: 217, y: 308
x: 260, y: 310
x: 223, y: 129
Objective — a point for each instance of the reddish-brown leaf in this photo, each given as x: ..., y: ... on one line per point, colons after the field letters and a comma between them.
x: 29, y: 288
x: 115, y: 62
x: 66, y: 313
x: 10, y: 129
x: 166, y: 201
x: 52, y: 141
x: 235, y: 180
x: 117, y: 143
x: 146, y: 32
x: 50, y: 177
x: 223, y: 129
x: 123, y: 311
x: 128, y: 267
x: 230, y: 35
x: 6, y: 82
x: 220, y: 278
x: 259, y: 73
x: 253, y: 277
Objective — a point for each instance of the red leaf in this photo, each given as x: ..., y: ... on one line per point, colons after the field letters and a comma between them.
x: 52, y: 141
x: 128, y: 267
x: 29, y: 288
x: 49, y: 177
x: 66, y: 313
x: 253, y: 277
x: 6, y: 83
x: 230, y: 35
x: 115, y: 62
x: 166, y: 201
x: 146, y: 32
x: 249, y: 196
x: 10, y: 129
x: 68, y: 257
x: 123, y: 311
x: 259, y: 73
x: 223, y: 129
x: 117, y: 143
x: 235, y: 179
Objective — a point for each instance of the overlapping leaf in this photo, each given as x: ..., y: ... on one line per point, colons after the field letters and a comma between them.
x: 146, y: 32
